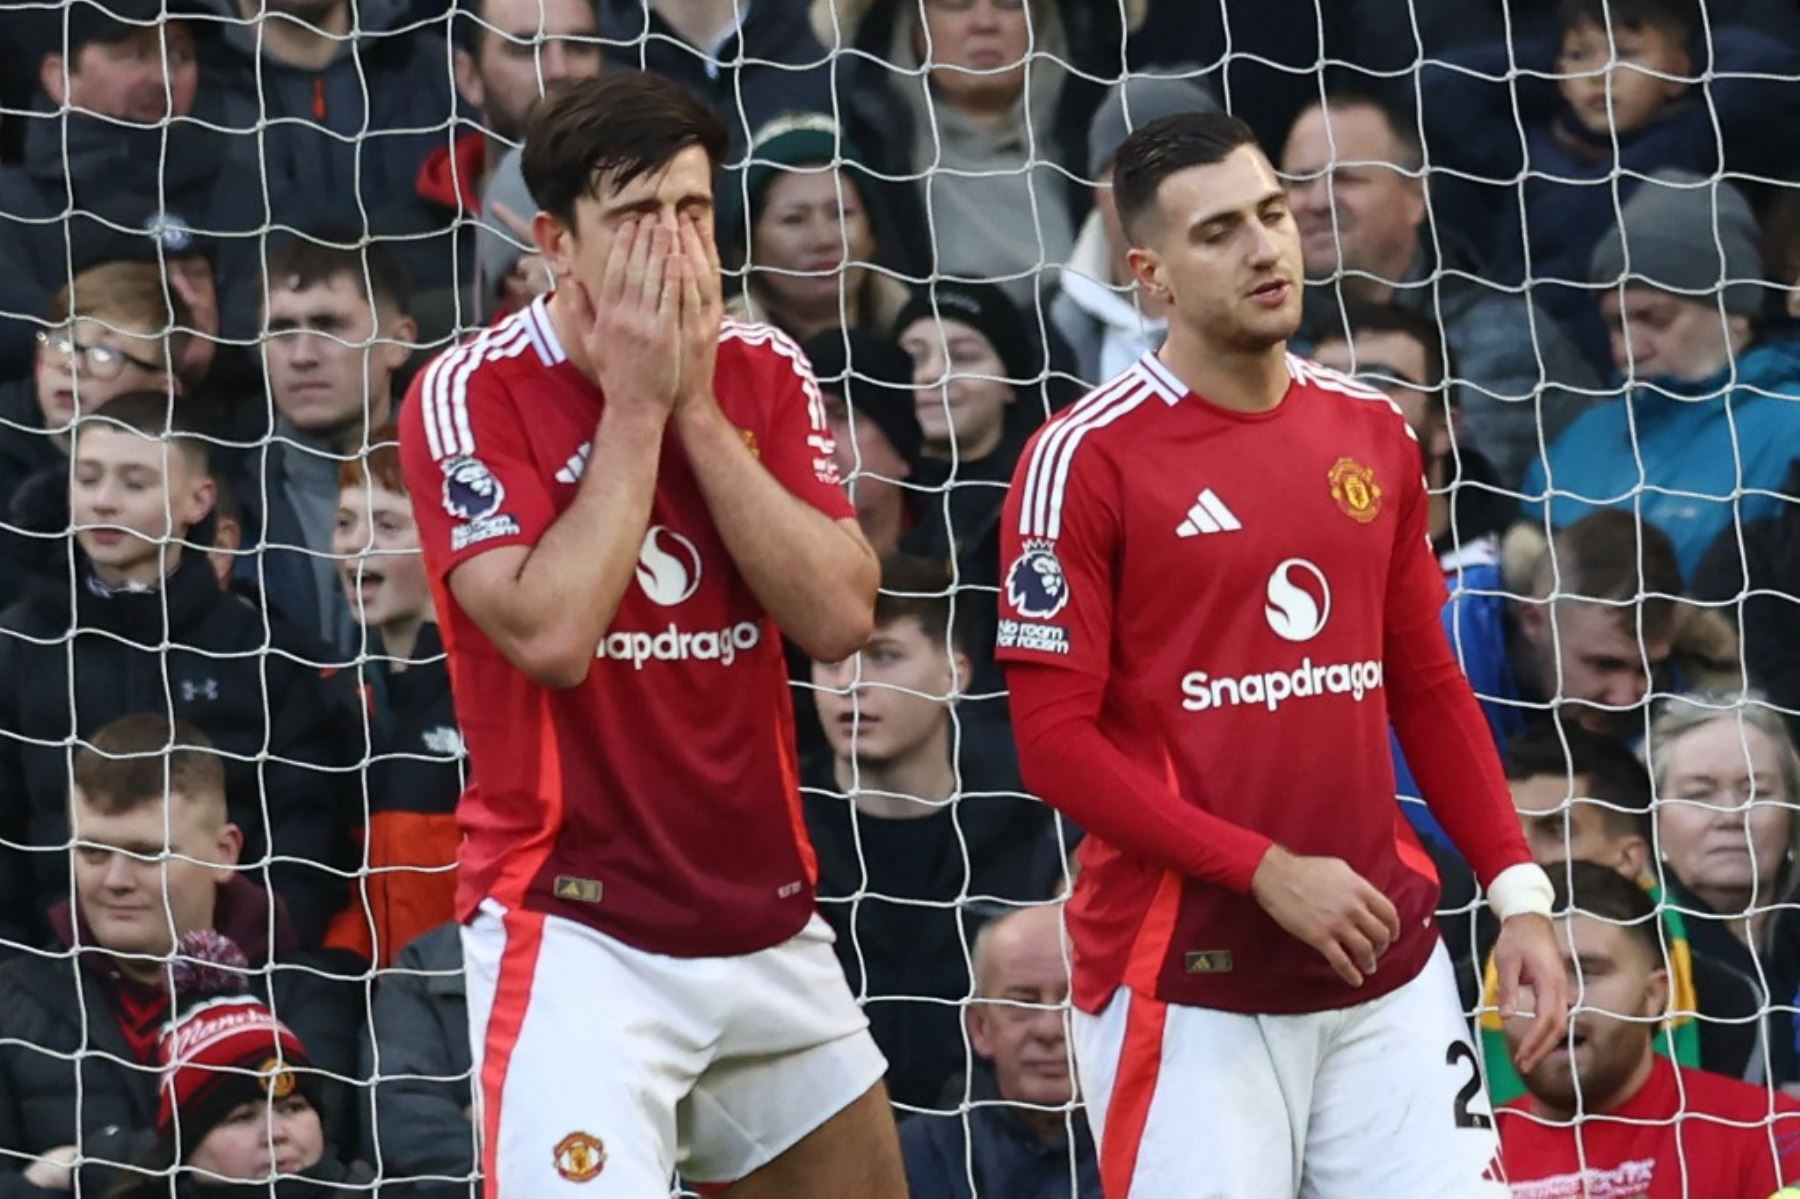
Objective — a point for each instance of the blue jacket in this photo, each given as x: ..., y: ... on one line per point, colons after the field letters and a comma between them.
x: 1712, y: 453
x: 1005, y: 1157
x: 1568, y: 177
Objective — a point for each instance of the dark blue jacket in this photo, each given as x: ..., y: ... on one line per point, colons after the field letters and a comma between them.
x: 1569, y: 200
x: 1003, y: 1155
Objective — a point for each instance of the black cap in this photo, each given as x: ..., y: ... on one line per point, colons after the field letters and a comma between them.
x: 874, y: 375
x: 116, y: 20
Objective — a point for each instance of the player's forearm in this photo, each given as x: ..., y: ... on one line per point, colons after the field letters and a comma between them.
x: 815, y: 577
x: 1451, y: 750
x: 1072, y: 766
x: 570, y: 586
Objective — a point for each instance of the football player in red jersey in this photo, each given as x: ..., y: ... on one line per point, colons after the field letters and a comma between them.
x: 1608, y: 1116
x: 634, y: 499
x: 1218, y: 593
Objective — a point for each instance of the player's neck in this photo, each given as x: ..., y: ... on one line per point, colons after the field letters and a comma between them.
x: 1236, y: 380
x: 568, y: 332
x: 905, y: 788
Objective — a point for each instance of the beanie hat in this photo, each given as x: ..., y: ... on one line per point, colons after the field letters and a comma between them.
x: 1138, y: 101
x: 108, y: 21
x: 875, y: 378
x: 984, y: 308
x: 226, y: 1047
x: 790, y: 143
x: 1666, y: 238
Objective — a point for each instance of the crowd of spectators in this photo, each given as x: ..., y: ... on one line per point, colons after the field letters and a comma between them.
x: 232, y: 231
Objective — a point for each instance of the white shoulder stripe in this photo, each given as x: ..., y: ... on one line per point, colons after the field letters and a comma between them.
x: 781, y: 343
x: 446, y: 389
x: 1113, y: 413
x: 1050, y: 444
x: 1323, y: 377
x: 1168, y: 387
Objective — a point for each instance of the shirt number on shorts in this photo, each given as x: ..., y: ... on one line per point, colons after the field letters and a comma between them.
x: 1460, y: 1051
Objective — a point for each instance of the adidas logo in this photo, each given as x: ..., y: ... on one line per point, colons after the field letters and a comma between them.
x: 573, y: 469
x: 1208, y: 515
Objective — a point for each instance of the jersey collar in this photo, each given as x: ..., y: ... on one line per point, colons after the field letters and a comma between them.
x: 1161, y: 379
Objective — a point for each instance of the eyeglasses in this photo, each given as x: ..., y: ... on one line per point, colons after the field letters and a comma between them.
x: 101, y: 361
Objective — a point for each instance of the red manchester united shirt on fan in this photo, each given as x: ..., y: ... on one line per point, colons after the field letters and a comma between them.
x: 1698, y: 1136
x: 1232, y: 576
x: 657, y: 801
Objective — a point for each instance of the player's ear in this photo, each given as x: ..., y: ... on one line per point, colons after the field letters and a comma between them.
x: 980, y: 1041
x: 468, y: 80
x: 1634, y: 857
x: 1147, y: 269
x: 50, y: 77
x: 1656, y: 995
x: 957, y: 681
x: 555, y: 242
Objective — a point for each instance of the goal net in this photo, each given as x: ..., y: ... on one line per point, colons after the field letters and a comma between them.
x: 1563, y: 239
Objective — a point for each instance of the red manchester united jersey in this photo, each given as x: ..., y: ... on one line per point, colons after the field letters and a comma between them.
x: 1692, y: 1136
x: 657, y: 801
x: 1231, y: 577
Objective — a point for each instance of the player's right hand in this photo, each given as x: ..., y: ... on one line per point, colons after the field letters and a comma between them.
x: 631, y: 328
x: 1331, y: 907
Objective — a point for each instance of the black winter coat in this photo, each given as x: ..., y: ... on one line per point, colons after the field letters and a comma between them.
x: 236, y: 673
x: 68, y: 1075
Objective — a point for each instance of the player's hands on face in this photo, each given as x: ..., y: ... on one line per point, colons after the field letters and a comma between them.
x: 702, y: 310
x: 1526, y: 956
x: 1330, y: 907
x: 631, y: 325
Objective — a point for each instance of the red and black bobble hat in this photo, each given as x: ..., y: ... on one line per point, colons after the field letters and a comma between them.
x: 226, y: 1047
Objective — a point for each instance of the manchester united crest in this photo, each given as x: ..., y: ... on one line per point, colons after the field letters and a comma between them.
x: 580, y: 1157
x: 277, y: 1080
x: 1354, y: 488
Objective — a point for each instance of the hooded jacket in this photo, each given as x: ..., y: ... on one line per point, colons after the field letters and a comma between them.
x: 1103, y: 326
x: 991, y: 215
x: 1693, y: 459
x: 73, y: 659
x: 113, y: 175
x: 346, y: 141
x: 993, y: 843
x: 68, y: 1073
x: 430, y: 233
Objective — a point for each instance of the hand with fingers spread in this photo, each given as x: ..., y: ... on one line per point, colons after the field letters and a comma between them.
x: 702, y: 310
x: 1326, y: 904
x: 631, y: 325
x: 1526, y: 957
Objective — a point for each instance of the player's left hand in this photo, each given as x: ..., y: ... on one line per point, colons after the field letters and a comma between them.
x: 1526, y: 955
x: 702, y: 310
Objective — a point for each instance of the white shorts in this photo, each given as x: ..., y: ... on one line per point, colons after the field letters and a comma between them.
x: 596, y: 1060
x: 1379, y: 1099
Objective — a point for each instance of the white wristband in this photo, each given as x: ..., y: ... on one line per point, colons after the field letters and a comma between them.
x: 1521, y: 889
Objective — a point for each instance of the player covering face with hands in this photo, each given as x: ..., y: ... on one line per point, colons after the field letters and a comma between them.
x: 623, y: 501
x: 1217, y: 594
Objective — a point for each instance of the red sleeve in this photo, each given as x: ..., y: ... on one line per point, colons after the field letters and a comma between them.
x: 468, y: 464
x: 1059, y: 531
x: 1070, y: 764
x: 797, y: 445
x: 1433, y: 710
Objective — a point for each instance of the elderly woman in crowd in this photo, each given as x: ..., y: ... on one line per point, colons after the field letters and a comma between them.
x: 1727, y: 779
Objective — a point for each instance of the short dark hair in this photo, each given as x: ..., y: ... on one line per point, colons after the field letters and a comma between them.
x: 1163, y: 147
x: 1598, y: 558
x: 1361, y: 316
x: 1615, y: 777
x: 1590, y: 889
x: 156, y: 416
x: 1677, y: 18
x: 921, y: 589
x: 302, y: 262
x: 1402, y: 126
x: 612, y: 129
x: 142, y: 759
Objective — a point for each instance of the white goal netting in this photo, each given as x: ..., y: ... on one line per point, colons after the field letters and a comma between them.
x: 1564, y: 238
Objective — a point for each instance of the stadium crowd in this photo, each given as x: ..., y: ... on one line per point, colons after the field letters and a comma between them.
x: 231, y: 233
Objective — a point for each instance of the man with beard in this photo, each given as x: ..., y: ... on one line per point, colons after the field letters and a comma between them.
x: 1608, y: 1116
x: 506, y: 53
x: 1219, y: 595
